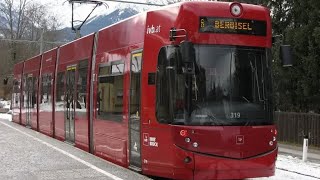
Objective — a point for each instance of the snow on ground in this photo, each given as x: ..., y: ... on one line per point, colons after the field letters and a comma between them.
x: 5, y: 104
x: 295, y: 164
x: 293, y: 168
x: 6, y: 116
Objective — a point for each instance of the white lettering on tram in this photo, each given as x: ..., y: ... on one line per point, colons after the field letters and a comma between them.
x: 153, y: 29
x: 153, y: 141
x: 149, y: 141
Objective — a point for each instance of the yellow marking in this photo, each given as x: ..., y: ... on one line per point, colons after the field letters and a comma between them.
x: 71, y: 68
x: 216, y: 24
x: 249, y: 28
x: 232, y: 25
x: 137, y: 55
x: 202, y: 23
x: 226, y: 24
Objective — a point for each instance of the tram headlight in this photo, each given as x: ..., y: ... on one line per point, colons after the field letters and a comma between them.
x: 187, y: 159
x: 274, y: 139
x: 271, y: 143
x: 195, y: 144
x: 236, y: 9
x: 187, y: 140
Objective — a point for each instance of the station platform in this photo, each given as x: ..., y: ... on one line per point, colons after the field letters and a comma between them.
x: 27, y: 154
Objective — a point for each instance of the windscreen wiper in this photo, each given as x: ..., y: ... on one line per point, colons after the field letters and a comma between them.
x: 254, y: 70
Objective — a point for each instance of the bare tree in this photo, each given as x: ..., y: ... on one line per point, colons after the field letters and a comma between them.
x: 26, y: 20
x: 22, y: 20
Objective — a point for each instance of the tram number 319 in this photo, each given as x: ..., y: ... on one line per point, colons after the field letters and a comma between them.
x: 235, y: 115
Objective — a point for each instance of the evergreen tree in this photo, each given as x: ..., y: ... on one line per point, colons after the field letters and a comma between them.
x: 298, y: 21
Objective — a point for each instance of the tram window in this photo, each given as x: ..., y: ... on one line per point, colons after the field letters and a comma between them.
x: 135, y: 85
x: 45, y: 94
x: 82, y: 88
x: 34, y: 92
x: 110, y: 92
x: 24, y: 92
x: 30, y: 96
x: 16, y: 94
x: 162, y: 101
x: 60, y: 92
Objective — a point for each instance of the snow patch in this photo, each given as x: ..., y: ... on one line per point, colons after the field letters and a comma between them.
x: 293, y: 168
x: 7, y: 117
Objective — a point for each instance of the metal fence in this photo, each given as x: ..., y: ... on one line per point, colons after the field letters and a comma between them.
x: 292, y: 127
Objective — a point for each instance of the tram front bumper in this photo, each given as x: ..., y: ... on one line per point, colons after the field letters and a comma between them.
x: 209, y: 167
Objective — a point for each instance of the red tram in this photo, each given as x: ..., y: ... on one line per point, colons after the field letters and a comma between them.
x: 182, y: 92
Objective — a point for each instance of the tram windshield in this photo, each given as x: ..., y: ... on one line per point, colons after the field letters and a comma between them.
x: 230, y: 86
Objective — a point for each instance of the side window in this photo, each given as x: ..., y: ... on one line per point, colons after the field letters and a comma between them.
x: 110, y: 91
x: 60, y: 91
x: 45, y: 94
x: 30, y: 92
x: 16, y: 93
x: 162, y: 94
x: 82, y: 89
x: 34, y: 92
x: 135, y: 84
x: 24, y: 96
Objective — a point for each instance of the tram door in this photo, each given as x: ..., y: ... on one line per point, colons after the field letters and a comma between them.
x: 70, y: 104
x: 30, y: 98
x: 134, y: 111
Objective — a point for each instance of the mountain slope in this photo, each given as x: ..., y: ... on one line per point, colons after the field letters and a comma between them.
x: 98, y: 22
x: 102, y: 20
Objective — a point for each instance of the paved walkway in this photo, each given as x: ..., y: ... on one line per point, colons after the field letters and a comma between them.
x: 29, y: 155
x: 313, y: 154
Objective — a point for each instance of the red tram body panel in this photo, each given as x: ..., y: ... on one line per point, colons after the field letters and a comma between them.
x: 72, y: 110
x: 183, y: 92
x: 114, y: 46
x: 16, y: 98
x: 29, y: 106
x: 46, y: 92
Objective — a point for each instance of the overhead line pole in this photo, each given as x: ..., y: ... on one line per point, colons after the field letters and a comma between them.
x: 98, y: 3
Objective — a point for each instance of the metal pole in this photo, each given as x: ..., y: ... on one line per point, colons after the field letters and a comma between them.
x: 305, y: 149
x: 78, y: 35
x: 92, y: 81
x: 41, y: 42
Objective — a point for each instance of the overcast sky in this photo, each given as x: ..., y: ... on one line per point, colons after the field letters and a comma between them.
x: 62, y: 10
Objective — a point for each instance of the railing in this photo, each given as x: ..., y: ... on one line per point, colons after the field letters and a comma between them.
x: 292, y: 127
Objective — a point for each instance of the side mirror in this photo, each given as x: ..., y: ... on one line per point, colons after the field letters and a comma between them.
x: 187, y: 52
x: 286, y: 55
x: 187, y: 57
x: 171, y: 68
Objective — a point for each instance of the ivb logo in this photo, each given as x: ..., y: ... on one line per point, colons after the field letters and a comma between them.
x: 240, y: 139
x: 153, y: 29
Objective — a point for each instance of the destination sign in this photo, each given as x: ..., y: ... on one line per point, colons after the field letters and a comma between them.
x: 232, y: 26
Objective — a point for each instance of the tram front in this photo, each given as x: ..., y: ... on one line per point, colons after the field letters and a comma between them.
x: 217, y: 96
